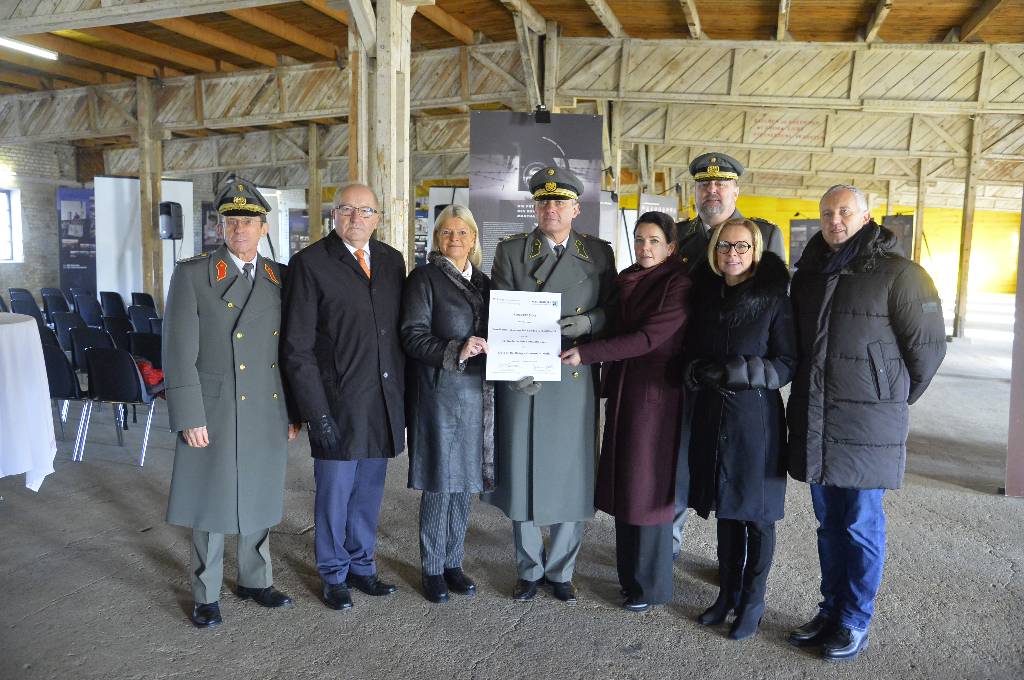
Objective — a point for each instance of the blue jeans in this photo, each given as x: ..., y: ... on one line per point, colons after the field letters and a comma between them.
x: 851, y: 549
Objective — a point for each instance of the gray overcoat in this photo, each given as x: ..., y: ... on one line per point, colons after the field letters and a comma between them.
x: 221, y: 370
x: 546, y: 445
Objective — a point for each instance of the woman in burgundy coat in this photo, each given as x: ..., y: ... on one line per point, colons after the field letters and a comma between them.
x: 642, y: 381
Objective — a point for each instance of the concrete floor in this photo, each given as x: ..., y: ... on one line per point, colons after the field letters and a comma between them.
x: 94, y: 583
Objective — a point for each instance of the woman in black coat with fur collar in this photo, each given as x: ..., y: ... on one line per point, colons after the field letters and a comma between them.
x: 742, y: 349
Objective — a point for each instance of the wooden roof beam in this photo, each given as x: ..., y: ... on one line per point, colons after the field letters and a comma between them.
x: 782, y: 24
x: 228, y: 43
x: 322, y: 7
x: 693, y: 19
x: 31, y: 82
x: 97, y: 56
x: 286, y: 31
x: 153, y: 48
x: 977, y: 20
x: 534, y: 19
x: 450, y: 24
x: 76, y: 73
x: 607, y: 18
x: 361, y: 13
x: 882, y: 10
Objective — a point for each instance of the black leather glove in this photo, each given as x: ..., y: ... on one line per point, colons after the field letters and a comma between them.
x: 323, y: 433
x: 527, y: 386
x: 706, y: 374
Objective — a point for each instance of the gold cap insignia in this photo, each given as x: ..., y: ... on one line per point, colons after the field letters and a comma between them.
x: 241, y: 187
x: 713, y: 169
x: 551, y: 171
x: 239, y: 200
x: 550, y: 186
x: 712, y: 160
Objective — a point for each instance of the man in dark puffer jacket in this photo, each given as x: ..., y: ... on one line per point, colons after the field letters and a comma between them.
x: 871, y: 337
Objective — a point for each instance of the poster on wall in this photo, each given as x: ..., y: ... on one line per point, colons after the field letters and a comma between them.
x: 211, y: 235
x: 506, y: 148
x: 800, y: 232
x: 298, y: 229
x: 76, y: 220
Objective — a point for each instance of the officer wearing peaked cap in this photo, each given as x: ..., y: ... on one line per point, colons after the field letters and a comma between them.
x: 226, y: 401
x: 545, y: 433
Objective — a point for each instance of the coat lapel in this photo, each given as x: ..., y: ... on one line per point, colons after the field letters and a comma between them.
x: 571, y: 269
x: 337, y: 248
x: 227, y: 280
x: 265, y: 291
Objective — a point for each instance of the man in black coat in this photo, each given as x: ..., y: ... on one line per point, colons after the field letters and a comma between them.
x: 343, y: 359
x: 871, y: 336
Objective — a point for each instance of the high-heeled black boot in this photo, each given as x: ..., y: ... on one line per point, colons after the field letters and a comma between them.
x: 730, y: 569
x: 760, y: 546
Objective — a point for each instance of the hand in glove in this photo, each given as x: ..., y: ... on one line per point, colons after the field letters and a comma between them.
x: 323, y: 433
x: 526, y: 385
x: 575, y: 326
x: 706, y: 374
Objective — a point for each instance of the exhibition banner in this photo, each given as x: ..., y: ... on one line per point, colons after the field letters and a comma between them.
x: 76, y: 220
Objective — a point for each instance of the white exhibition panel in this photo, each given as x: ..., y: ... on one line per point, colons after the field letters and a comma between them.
x: 119, y: 235
x: 281, y: 201
x: 444, y: 196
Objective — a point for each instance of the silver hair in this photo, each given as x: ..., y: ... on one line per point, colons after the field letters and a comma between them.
x: 862, y: 200
x: 353, y: 185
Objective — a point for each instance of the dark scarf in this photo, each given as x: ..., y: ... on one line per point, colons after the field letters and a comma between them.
x: 841, y: 258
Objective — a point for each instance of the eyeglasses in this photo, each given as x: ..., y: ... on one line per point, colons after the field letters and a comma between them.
x: 740, y: 247
x: 448, y: 233
x: 364, y: 211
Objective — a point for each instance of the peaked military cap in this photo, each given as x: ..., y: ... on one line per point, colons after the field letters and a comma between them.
x: 552, y: 182
x: 715, y: 165
x: 240, y: 197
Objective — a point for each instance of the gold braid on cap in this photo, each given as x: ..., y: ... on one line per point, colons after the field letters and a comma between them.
x: 239, y: 203
x: 714, y: 172
x: 558, y: 192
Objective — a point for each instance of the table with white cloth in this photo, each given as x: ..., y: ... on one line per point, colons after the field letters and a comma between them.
x: 27, y: 441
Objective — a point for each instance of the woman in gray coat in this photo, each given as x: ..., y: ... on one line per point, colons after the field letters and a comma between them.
x: 450, y: 407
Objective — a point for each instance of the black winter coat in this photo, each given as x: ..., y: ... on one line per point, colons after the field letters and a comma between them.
x: 340, y: 348
x: 450, y: 407
x: 738, y: 441
x: 871, y: 339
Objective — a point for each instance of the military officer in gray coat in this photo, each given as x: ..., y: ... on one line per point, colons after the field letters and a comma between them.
x: 226, y: 402
x: 546, y: 433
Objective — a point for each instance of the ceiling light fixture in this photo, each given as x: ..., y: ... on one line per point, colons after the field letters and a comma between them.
x: 28, y: 49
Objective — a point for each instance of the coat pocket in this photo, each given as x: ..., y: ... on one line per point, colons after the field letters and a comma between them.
x: 209, y: 384
x: 878, y: 370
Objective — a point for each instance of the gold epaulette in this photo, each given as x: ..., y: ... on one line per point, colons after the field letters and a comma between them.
x: 513, y: 236
x: 194, y: 258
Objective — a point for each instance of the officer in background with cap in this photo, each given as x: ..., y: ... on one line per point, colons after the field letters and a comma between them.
x: 546, y: 433
x: 716, y: 188
x: 225, y: 399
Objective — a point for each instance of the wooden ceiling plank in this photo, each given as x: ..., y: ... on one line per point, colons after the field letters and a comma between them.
x: 978, y: 19
x: 97, y: 56
x: 693, y: 19
x: 447, y: 22
x: 608, y: 19
x: 155, y: 48
x: 69, y: 71
x: 220, y: 40
x: 322, y: 7
x: 878, y: 18
x: 782, y: 24
x: 286, y: 31
x: 534, y: 19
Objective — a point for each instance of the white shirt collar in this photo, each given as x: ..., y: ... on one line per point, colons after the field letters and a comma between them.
x: 564, y: 243
x: 352, y: 249
x: 240, y: 263
x: 467, y: 273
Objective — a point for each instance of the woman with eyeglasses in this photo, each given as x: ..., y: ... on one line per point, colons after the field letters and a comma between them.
x: 450, y: 407
x: 642, y: 382
x: 741, y: 350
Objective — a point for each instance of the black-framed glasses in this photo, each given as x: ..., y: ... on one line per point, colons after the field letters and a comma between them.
x: 739, y: 246
x: 363, y: 211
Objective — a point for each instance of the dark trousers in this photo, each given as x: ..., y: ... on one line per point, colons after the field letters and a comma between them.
x: 443, y: 521
x: 745, y: 551
x: 348, y: 496
x: 643, y: 556
x: 851, y: 549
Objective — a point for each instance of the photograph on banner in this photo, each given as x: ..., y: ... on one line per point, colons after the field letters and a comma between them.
x: 211, y: 235
x: 523, y: 336
x: 506, y: 148
x: 76, y: 218
x: 298, y: 229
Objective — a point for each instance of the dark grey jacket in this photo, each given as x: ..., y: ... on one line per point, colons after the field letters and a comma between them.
x: 871, y: 338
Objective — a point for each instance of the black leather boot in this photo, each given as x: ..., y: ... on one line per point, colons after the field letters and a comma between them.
x: 760, y: 547
x: 730, y: 569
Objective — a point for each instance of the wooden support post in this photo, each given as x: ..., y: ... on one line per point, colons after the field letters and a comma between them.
x: 1015, y: 440
x: 967, y: 229
x: 150, y: 164
x: 551, y: 67
x: 314, y: 193
x: 358, y: 110
x: 922, y: 189
x: 890, y: 198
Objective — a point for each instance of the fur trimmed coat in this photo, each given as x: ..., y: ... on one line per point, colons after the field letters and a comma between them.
x: 738, y: 436
x: 449, y: 405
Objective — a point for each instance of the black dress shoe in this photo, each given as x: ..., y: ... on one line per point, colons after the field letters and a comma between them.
x: 458, y: 581
x: 845, y: 644
x: 635, y: 604
x: 370, y: 585
x: 336, y: 596
x: 435, y: 589
x: 564, y: 591
x: 525, y: 590
x: 268, y: 597
x: 206, y: 615
x: 813, y: 632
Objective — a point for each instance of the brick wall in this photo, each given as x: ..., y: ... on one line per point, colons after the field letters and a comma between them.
x: 39, y: 169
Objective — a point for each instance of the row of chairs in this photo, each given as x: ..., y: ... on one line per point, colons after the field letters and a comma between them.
x: 82, y: 301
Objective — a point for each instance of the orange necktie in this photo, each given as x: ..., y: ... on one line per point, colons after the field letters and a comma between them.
x: 362, y: 262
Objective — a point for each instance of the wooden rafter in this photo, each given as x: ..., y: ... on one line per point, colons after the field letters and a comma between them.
x: 31, y: 82
x: 450, y: 24
x: 152, y: 48
x: 528, y: 58
x: 977, y: 20
x: 782, y: 23
x: 69, y: 71
x: 286, y: 31
x: 607, y: 18
x: 321, y: 6
x: 365, y: 19
x: 210, y: 36
x: 879, y: 16
x: 112, y: 60
x: 534, y: 19
x: 692, y: 19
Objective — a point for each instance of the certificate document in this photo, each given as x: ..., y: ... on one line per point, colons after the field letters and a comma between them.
x: 523, y: 336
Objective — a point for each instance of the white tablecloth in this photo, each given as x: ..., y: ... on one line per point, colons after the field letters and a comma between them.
x: 27, y: 442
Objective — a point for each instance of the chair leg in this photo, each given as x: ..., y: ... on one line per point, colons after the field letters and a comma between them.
x: 117, y: 423
x: 83, y: 426
x: 64, y: 411
x: 60, y: 421
x: 145, y: 435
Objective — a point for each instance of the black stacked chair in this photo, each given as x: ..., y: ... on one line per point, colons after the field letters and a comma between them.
x: 63, y: 322
x: 89, y: 310
x: 63, y: 383
x: 144, y: 300
x: 27, y: 305
x: 147, y: 346
x: 140, y: 316
x: 54, y: 302
x: 86, y: 338
x: 114, y: 379
x: 52, y: 291
x: 48, y: 337
x: 20, y: 293
x: 3, y: 305
x: 156, y: 326
x: 119, y: 328
x: 112, y: 304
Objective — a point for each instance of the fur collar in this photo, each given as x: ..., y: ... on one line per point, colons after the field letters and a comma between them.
x: 747, y: 300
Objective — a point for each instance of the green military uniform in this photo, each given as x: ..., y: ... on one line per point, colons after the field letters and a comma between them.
x: 220, y: 362
x: 546, y: 445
